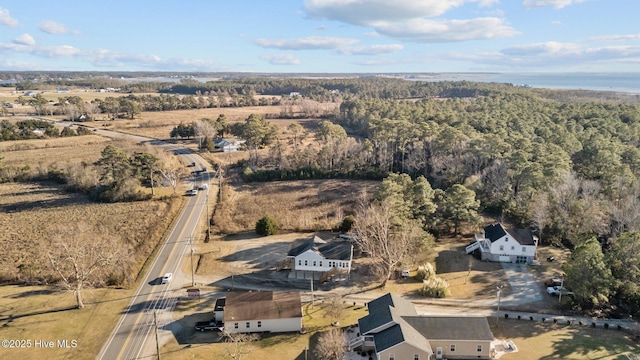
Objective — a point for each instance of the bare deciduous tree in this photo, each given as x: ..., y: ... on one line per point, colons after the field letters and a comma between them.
x: 239, y: 344
x: 334, y: 307
x: 331, y: 345
x: 85, y: 257
x: 386, y: 243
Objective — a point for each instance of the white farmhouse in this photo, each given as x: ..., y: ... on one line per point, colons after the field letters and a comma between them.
x: 499, y: 244
x: 262, y: 311
x: 316, y: 257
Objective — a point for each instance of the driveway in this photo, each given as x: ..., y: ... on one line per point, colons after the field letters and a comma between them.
x: 524, y: 288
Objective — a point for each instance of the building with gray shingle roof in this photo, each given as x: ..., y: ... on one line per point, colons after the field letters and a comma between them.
x: 315, y: 257
x: 496, y: 243
x: 393, y: 330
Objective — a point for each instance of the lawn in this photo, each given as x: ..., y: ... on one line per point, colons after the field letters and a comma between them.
x: 45, y: 313
x: 537, y: 340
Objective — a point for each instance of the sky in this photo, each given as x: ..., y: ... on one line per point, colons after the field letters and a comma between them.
x: 321, y: 36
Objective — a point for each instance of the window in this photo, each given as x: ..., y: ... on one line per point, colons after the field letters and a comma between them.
x: 479, y: 349
x: 453, y: 348
x: 416, y: 356
x: 259, y: 323
x: 392, y: 356
x: 320, y: 263
x: 235, y: 325
x: 306, y: 262
x: 501, y: 247
x: 524, y: 249
x: 314, y: 263
x: 248, y: 324
x: 299, y: 262
x: 513, y: 247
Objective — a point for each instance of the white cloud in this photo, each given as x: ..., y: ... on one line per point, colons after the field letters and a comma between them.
x: 556, y: 4
x: 6, y: 19
x: 616, y: 37
x: 409, y: 19
x: 547, y: 48
x: 371, y: 49
x: 24, y: 39
x: 306, y: 43
x: 52, y: 27
x: 281, y: 59
x: 423, y: 30
x: 361, y: 12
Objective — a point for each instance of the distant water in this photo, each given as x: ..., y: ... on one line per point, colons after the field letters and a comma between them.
x: 621, y: 82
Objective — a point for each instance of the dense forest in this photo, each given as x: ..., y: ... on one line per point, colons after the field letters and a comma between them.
x: 565, y: 163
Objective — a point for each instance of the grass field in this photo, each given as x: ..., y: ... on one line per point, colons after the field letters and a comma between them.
x: 43, y: 313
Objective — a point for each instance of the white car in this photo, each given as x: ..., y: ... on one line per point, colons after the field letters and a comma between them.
x: 166, y: 278
x: 192, y: 192
x: 557, y: 290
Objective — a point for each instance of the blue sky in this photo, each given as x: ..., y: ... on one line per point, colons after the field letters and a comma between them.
x: 372, y: 36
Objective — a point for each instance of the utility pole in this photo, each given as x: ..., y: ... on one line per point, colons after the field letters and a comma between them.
x: 499, y: 293
x: 193, y: 282
x: 155, y: 325
x: 311, y: 290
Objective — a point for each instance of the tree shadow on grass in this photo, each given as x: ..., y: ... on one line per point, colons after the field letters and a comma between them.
x: 11, y: 317
x: 33, y: 293
x: 587, y: 343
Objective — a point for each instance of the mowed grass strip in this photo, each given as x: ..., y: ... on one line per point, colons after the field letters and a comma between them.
x: 45, y: 314
x: 537, y: 340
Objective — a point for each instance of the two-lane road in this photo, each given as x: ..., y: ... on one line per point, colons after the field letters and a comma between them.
x: 136, y: 324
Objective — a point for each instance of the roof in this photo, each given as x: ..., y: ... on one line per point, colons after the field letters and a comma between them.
x: 380, y: 312
x: 400, y: 333
x: 337, y: 250
x: 451, y: 327
x: 522, y: 236
x: 308, y: 244
x: 494, y: 232
x: 262, y: 305
x: 497, y: 231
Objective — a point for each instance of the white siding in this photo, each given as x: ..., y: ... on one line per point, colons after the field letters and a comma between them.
x: 306, y: 261
x: 269, y: 325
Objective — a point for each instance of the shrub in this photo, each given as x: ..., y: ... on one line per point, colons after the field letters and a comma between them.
x: 435, y: 287
x: 267, y: 226
x: 606, y: 325
x: 425, y: 272
x: 347, y: 223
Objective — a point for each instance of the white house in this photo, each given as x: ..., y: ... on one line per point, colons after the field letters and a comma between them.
x: 499, y: 244
x: 262, y: 311
x: 315, y: 257
x: 228, y: 145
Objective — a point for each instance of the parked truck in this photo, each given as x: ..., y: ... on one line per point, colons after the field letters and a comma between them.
x: 209, y: 325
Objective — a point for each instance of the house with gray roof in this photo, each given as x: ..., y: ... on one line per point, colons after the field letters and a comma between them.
x: 261, y: 311
x: 394, y: 331
x: 315, y: 257
x: 496, y: 243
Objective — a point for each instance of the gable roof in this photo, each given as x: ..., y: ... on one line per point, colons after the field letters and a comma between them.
x: 308, y: 244
x: 494, y: 232
x: 451, y: 327
x: 382, y: 311
x: 262, y: 305
x: 497, y: 231
x: 337, y: 250
x: 522, y: 236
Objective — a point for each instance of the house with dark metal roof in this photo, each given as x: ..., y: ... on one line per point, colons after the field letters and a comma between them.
x: 316, y: 258
x: 262, y: 311
x: 393, y: 330
x: 496, y: 243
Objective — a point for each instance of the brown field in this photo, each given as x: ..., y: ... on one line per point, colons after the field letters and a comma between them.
x: 31, y: 213
x: 62, y: 151
x: 309, y: 205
